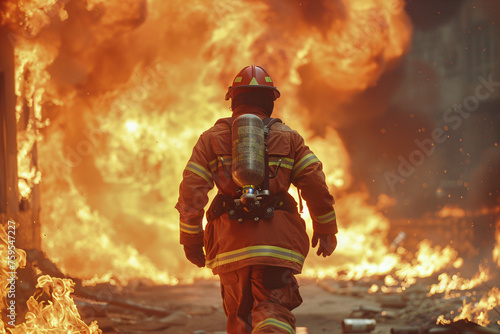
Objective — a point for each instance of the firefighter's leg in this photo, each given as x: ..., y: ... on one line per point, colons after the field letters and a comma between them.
x: 276, y: 294
x: 237, y: 300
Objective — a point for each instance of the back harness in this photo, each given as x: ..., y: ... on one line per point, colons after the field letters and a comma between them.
x: 266, y: 203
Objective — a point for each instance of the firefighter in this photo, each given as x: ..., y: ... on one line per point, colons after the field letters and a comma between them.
x: 255, y: 238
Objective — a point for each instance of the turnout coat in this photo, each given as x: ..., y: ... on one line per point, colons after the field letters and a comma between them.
x: 278, y: 241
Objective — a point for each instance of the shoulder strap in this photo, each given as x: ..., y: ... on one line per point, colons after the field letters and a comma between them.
x: 268, y: 122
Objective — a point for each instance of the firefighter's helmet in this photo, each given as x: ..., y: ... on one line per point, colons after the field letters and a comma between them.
x: 250, y: 78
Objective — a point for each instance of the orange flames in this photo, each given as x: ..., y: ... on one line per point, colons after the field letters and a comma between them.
x: 449, y: 283
x: 57, y: 316
x: 121, y: 90
x: 477, y: 311
x: 496, y: 250
x: 127, y: 98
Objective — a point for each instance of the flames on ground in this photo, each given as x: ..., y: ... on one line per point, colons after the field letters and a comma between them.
x: 58, y: 315
x: 121, y: 90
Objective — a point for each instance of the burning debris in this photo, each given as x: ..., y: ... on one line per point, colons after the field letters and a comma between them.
x: 55, y: 307
x: 57, y: 314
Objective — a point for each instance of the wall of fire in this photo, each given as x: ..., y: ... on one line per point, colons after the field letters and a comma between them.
x: 452, y: 46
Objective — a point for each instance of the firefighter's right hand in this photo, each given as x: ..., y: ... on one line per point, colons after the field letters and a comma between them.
x: 327, y: 243
x: 195, y: 254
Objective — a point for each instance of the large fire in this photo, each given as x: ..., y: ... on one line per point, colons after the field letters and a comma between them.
x: 121, y: 90
x: 125, y: 99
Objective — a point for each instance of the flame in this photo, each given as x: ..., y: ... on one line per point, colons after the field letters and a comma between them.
x: 58, y: 315
x: 451, y: 211
x: 477, y: 311
x: 448, y: 283
x: 362, y: 248
x: 496, y: 250
x: 428, y: 261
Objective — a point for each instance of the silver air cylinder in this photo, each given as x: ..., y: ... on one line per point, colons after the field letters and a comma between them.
x: 248, y: 166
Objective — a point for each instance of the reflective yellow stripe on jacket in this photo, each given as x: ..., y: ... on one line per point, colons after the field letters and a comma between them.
x: 326, y: 218
x: 282, y: 162
x: 191, y: 229
x: 276, y: 323
x: 303, y: 163
x: 200, y: 171
x: 253, y: 251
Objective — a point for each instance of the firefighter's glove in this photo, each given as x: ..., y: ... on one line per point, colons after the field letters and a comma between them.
x: 327, y: 243
x: 195, y: 254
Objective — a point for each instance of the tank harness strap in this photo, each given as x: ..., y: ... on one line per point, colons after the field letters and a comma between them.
x: 226, y: 204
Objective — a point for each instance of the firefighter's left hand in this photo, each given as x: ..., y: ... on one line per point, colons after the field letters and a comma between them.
x: 195, y: 254
x: 327, y: 243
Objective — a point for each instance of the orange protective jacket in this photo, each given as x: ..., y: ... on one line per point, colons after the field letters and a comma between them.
x: 279, y: 241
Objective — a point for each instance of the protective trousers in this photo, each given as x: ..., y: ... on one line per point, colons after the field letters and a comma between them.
x: 259, y: 299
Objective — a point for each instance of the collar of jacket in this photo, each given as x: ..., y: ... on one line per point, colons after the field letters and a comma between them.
x: 244, y: 109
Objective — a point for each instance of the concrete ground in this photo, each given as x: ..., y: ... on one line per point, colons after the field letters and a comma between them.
x: 321, y: 312
x: 197, y: 308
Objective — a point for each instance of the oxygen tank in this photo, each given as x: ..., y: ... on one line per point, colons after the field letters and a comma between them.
x: 248, y: 165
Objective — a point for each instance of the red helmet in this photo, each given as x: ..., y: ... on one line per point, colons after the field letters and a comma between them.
x: 252, y: 77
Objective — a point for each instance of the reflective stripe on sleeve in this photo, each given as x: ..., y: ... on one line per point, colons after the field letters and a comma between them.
x: 191, y: 229
x: 303, y: 163
x: 213, y: 165
x: 253, y: 251
x: 285, y: 162
x: 200, y: 171
x: 276, y: 323
x: 326, y: 218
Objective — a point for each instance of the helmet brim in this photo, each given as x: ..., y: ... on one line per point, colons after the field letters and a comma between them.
x: 233, y: 91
